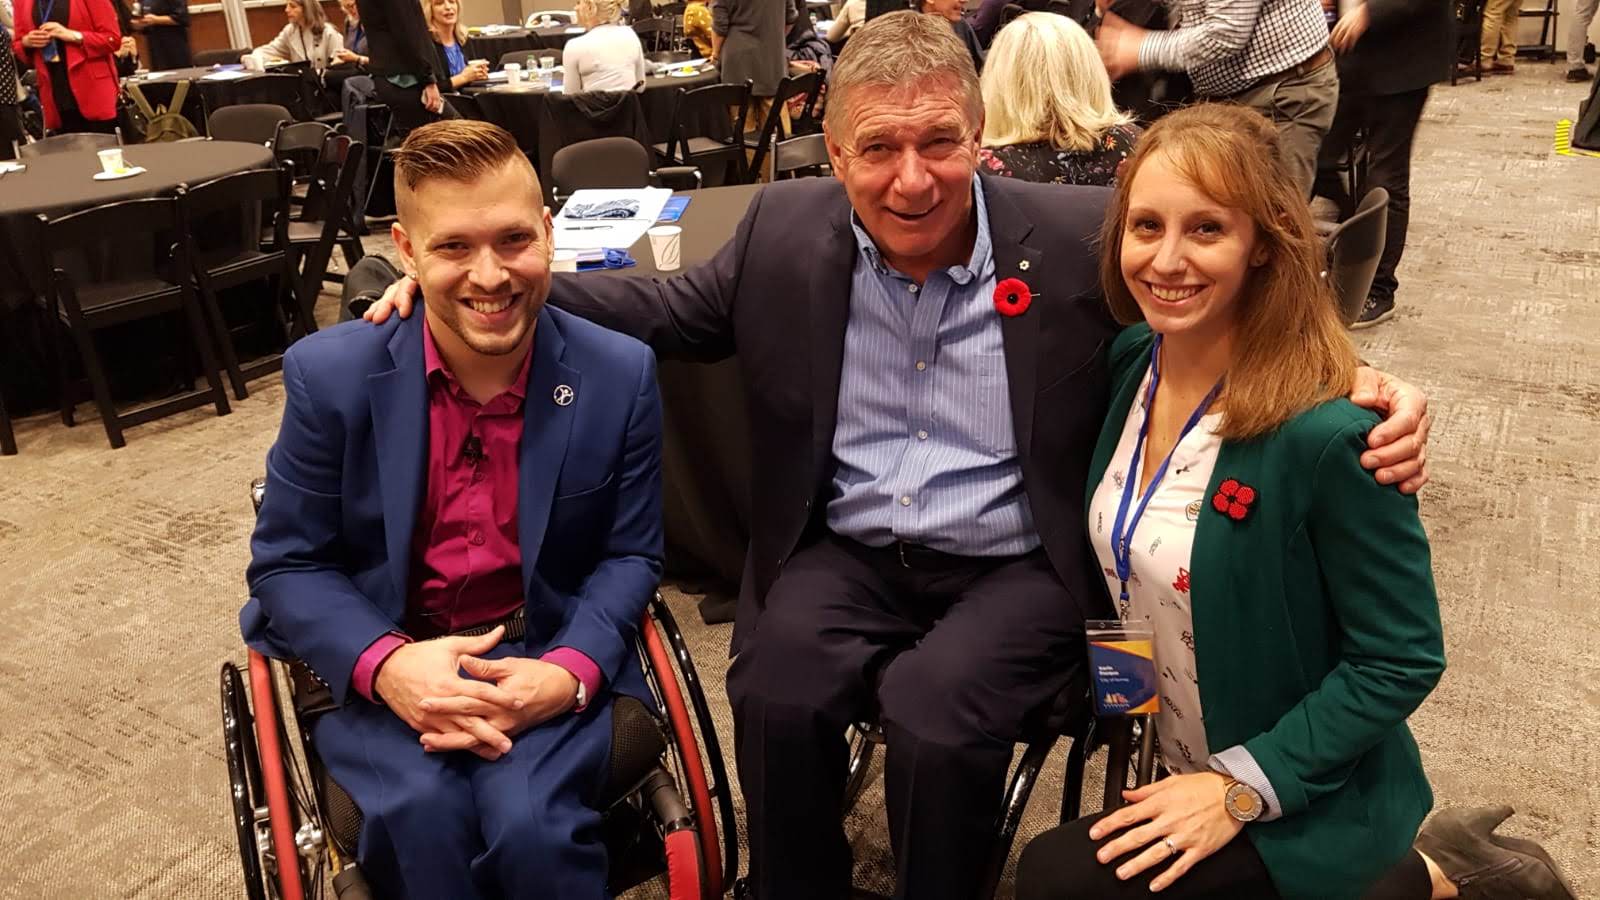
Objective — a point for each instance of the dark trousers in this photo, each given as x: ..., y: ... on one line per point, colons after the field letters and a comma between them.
x: 958, y: 658
x: 73, y: 122
x: 453, y: 825
x: 405, y: 105
x: 1060, y: 864
x: 1389, y: 123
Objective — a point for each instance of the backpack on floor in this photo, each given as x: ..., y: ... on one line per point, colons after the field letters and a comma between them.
x: 1586, y: 131
x: 160, y: 124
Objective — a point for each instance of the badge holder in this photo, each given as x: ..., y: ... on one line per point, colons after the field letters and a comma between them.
x: 1122, y: 670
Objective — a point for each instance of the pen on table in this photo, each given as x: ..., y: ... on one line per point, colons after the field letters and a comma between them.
x: 584, y: 227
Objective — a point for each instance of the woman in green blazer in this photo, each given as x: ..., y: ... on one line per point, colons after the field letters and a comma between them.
x: 1290, y: 595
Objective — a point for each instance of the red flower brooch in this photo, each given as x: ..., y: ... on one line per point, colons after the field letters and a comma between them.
x: 1233, y: 499
x: 1012, y: 297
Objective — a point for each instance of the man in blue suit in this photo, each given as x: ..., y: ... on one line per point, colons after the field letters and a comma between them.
x: 462, y: 527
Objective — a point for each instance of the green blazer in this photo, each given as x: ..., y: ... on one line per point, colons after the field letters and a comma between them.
x: 1316, y: 634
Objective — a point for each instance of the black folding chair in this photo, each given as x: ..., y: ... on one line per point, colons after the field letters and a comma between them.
x: 797, y: 156
x: 612, y: 162
x: 655, y: 33
x: 225, y: 251
x: 298, y: 145
x: 87, y: 307
x: 773, y: 130
x: 250, y: 123
x: 709, y: 103
x: 225, y: 57
x: 326, y: 220
x: 67, y: 143
x: 282, y: 87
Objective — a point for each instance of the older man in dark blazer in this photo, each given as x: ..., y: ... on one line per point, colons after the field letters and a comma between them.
x: 923, y: 352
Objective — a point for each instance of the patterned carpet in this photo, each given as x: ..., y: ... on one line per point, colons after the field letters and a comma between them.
x: 121, y: 572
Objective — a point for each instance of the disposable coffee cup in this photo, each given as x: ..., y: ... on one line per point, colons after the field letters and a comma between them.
x: 478, y: 62
x: 111, y: 161
x: 513, y: 73
x: 564, y: 261
x: 547, y: 63
x: 665, y: 244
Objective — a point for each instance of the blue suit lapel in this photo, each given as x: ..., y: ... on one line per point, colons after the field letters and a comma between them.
x: 400, y: 433
x: 546, y: 427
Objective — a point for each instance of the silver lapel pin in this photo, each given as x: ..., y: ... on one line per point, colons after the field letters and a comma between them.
x: 563, y: 395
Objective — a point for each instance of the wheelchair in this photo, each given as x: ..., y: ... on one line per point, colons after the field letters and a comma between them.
x: 1130, y: 746
x: 668, y: 807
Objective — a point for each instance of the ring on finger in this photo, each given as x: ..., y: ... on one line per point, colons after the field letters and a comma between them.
x: 1172, y: 849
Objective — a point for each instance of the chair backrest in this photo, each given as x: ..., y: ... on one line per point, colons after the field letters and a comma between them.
x: 332, y: 196
x: 466, y: 105
x: 327, y: 173
x: 559, y: 16
x: 68, y: 143
x: 1354, y: 248
x: 220, y: 213
x: 655, y: 33
x: 251, y: 123
x: 563, y: 121
x: 300, y: 143
x: 68, y: 242
x: 693, y: 107
x: 527, y: 59
x: 807, y: 85
x: 609, y: 162
x: 283, y: 88
x: 808, y: 151
x: 225, y: 57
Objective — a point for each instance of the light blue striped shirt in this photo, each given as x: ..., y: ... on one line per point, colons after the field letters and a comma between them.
x: 924, y: 449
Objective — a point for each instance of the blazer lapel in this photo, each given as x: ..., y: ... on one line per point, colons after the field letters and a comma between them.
x: 546, y: 427
x: 1008, y: 229
x: 831, y: 276
x: 400, y: 432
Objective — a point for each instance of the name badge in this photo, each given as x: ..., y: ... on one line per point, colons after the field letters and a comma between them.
x: 1122, y: 668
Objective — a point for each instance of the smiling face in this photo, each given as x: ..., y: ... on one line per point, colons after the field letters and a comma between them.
x: 1186, y: 258
x: 480, y: 252
x: 445, y: 13
x: 907, y: 157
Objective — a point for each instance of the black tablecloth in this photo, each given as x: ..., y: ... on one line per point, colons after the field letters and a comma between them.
x: 706, y: 452
x: 60, y: 183
x: 518, y: 109
x: 492, y: 47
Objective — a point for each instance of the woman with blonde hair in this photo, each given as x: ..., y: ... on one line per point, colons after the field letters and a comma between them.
x: 1290, y: 595
x: 608, y: 57
x: 1047, y: 106
x: 306, y: 37
x: 450, y: 44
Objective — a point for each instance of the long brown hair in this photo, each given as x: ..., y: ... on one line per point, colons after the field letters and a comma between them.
x: 1290, y: 351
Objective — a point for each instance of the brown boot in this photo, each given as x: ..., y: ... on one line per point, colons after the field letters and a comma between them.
x: 1462, y: 843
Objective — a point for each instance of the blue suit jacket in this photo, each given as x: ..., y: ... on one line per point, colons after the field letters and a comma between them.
x: 332, y: 545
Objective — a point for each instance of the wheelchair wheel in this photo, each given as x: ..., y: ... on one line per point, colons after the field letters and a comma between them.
x: 244, y: 778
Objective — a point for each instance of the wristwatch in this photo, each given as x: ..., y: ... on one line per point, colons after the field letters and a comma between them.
x: 1243, y: 802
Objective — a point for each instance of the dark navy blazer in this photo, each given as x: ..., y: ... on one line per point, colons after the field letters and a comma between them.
x: 332, y: 545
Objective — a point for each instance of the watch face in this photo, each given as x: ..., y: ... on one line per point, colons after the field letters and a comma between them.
x: 1243, y: 804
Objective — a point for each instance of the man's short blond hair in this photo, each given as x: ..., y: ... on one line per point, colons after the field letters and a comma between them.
x: 897, y: 50
x: 458, y: 150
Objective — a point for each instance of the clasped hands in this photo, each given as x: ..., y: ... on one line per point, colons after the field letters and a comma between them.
x: 422, y: 683
x: 49, y: 31
x: 1189, y: 811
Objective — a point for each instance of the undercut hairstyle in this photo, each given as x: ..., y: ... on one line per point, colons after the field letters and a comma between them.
x: 460, y: 150
x: 1290, y: 350
x: 460, y: 29
x: 897, y: 50
x: 1044, y: 81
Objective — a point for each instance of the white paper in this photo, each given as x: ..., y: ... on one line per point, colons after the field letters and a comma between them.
x: 617, y: 234
x: 227, y: 75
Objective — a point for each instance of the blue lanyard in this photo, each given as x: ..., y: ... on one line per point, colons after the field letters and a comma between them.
x: 1120, y: 538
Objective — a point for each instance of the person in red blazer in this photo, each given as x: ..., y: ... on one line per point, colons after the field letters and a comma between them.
x: 71, y: 43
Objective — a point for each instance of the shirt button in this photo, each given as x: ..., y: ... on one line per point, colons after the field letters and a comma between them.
x: 912, y: 288
x: 477, y: 539
x: 906, y: 500
x: 921, y: 365
x: 922, y: 435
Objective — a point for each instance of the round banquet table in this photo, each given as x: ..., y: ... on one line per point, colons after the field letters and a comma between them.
x: 59, y: 183
x: 520, y: 109
x: 492, y: 47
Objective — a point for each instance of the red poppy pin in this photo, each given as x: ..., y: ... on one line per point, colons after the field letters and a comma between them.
x: 1233, y: 499
x: 1012, y: 297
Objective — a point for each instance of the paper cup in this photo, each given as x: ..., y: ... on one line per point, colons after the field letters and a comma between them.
x: 478, y: 62
x: 564, y: 261
x: 666, y: 244
x: 111, y: 161
x: 513, y: 73
x: 547, y: 63
x: 252, y: 63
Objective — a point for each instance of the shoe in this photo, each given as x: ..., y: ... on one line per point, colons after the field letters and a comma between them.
x: 1462, y: 843
x: 1579, y: 74
x: 1375, y: 310
x: 1501, y: 69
